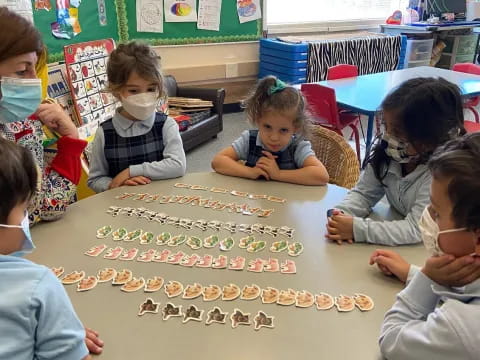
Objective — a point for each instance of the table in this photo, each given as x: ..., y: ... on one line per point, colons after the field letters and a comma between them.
x: 364, y: 94
x: 299, y: 333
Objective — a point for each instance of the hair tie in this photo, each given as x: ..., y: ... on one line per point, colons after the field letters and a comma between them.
x: 279, y: 86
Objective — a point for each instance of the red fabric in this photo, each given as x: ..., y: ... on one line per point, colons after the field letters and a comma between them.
x: 67, y: 162
x: 471, y: 126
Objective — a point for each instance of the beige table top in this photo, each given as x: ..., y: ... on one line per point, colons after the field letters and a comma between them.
x: 299, y: 333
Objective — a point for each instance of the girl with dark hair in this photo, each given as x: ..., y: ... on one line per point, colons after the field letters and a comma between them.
x: 138, y: 144
x: 420, y: 115
x: 277, y: 149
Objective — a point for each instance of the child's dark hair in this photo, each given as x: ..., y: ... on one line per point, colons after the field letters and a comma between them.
x: 427, y: 111
x: 459, y: 161
x: 262, y: 99
x: 18, y: 177
x: 134, y: 56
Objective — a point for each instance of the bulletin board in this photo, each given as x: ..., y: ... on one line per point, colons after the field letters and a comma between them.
x: 187, y: 33
x: 122, y: 27
x: 90, y: 25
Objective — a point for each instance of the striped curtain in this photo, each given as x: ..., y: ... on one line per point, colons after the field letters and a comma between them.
x: 370, y: 54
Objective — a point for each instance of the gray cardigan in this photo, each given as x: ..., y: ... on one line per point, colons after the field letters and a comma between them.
x: 408, y: 195
x: 418, y: 328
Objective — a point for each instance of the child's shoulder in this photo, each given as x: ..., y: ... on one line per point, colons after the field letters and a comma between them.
x: 23, y: 277
x: 21, y: 269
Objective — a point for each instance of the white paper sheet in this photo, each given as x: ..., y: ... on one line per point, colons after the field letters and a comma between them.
x: 248, y: 10
x: 209, y: 14
x: 21, y: 7
x: 180, y: 11
x: 149, y: 16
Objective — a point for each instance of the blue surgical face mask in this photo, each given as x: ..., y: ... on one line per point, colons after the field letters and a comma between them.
x: 27, y: 245
x: 19, y: 98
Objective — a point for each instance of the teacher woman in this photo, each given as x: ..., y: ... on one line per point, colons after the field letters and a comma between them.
x: 21, y: 118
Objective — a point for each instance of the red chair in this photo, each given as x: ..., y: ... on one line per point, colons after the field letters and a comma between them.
x: 471, y: 103
x: 342, y: 71
x: 322, y: 104
x: 471, y: 126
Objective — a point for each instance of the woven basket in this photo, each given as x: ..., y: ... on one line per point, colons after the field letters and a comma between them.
x: 337, y: 156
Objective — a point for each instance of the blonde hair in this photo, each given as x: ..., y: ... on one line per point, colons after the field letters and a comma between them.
x: 134, y: 56
x: 269, y: 96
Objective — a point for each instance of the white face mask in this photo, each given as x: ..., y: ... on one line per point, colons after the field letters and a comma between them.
x: 141, y: 106
x: 27, y: 244
x: 430, y: 233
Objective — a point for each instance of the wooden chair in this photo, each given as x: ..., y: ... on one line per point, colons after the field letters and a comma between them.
x: 322, y: 104
x: 337, y: 156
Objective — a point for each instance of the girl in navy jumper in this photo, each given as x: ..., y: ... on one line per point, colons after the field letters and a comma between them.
x: 276, y: 150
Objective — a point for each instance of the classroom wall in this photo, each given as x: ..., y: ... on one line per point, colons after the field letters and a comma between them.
x: 233, y: 66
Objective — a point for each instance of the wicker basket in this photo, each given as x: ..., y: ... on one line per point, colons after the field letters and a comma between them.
x: 337, y: 156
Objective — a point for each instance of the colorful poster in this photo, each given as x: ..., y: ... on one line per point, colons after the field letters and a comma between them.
x: 67, y: 25
x: 180, y: 11
x: 248, y: 10
x: 209, y: 14
x: 59, y: 90
x: 150, y: 16
x: 86, y: 65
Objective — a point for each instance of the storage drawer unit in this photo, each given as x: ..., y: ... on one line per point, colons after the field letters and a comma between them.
x: 285, y: 60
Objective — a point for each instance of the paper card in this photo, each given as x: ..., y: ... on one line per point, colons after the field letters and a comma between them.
x: 107, y: 274
x: 180, y: 11
x: 170, y: 310
x: 122, y: 277
x: 251, y: 292
x: 148, y: 306
x: 270, y: 295
x: 230, y: 292
x: 304, y: 299
x: 209, y: 15
x: 287, y: 297
x: 133, y: 285
x: 239, y: 317
x: 324, y: 301
x: 73, y: 277
x: 173, y: 288
x: 211, y: 293
x: 87, y: 283
x: 192, y: 291
x: 363, y: 302
x: 216, y: 315
x: 153, y: 284
x: 263, y: 320
x: 248, y: 10
x: 192, y: 313
x: 344, y: 303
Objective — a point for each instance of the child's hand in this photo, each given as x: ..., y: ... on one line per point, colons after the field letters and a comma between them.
x: 390, y: 263
x: 120, y: 179
x: 55, y: 118
x: 256, y: 172
x: 447, y: 270
x: 94, y: 344
x: 268, y: 164
x: 137, y: 180
x: 340, y: 228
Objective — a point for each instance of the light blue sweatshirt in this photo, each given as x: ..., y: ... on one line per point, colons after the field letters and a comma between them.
x: 173, y: 165
x: 408, y: 195
x: 418, y: 328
